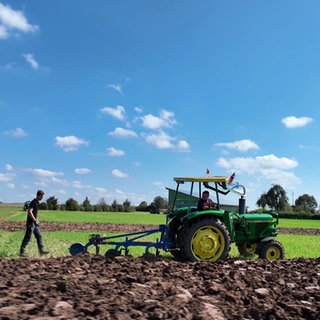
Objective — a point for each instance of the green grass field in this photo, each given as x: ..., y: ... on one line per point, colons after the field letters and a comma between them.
x: 90, y: 217
x: 122, y: 218
x: 59, y: 241
x: 296, y: 246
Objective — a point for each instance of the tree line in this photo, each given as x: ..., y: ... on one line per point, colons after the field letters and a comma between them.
x: 276, y: 199
x: 159, y: 203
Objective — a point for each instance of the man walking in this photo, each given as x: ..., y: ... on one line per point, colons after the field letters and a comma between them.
x: 32, y: 226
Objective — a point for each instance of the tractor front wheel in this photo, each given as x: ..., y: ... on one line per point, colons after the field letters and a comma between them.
x: 271, y: 250
x: 205, y: 239
x: 247, y: 249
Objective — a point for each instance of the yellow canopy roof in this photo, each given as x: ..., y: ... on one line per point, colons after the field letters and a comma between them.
x: 202, y: 179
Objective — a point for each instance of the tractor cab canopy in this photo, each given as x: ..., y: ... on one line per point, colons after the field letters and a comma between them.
x: 219, y: 184
x: 202, y: 179
x: 221, y: 181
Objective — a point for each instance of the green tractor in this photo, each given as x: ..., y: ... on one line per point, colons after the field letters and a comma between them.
x: 198, y: 234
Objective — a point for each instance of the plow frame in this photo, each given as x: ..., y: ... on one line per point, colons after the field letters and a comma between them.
x: 131, y: 240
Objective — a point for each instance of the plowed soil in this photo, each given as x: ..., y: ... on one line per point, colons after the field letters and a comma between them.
x: 113, y: 228
x: 93, y: 287
x: 123, y: 288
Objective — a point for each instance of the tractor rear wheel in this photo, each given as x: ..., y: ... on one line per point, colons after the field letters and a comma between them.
x: 247, y: 249
x: 271, y: 250
x: 205, y: 239
x: 174, y: 238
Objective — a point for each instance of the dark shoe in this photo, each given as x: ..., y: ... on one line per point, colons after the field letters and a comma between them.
x: 23, y: 255
x: 44, y: 252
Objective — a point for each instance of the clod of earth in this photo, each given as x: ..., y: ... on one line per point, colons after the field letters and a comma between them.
x: 93, y: 287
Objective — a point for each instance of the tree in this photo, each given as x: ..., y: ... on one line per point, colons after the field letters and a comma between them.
x: 87, y: 205
x: 276, y: 198
x: 262, y: 201
x: 143, y: 206
x: 127, y: 206
x: 114, y: 205
x: 160, y: 203
x: 103, y: 204
x: 306, y: 203
x: 43, y: 206
x: 52, y: 203
x: 72, y: 205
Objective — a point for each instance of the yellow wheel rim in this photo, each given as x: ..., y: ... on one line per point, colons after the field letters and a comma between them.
x: 207, y: 243
x: 273, y: 253
x: 251, y: 247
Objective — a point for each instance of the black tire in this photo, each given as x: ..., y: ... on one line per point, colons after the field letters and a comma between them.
x: 112, y: 253
x: 174, y: 236
x: 271, y: 250
x: 76, y: 249
x: 205, y: 239
x: 247, y: 249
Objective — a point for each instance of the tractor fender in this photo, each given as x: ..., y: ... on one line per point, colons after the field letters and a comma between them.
x: 201, y: 214
x: 267, y: 239
x: 263, y: 241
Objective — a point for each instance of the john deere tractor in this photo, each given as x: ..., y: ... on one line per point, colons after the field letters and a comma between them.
x: 197, y: 234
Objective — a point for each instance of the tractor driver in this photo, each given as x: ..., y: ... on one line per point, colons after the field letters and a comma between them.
x: 205, y: 202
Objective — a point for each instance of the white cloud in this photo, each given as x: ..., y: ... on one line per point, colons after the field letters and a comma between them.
x: 118, y: 112
x: 3, y: 32
x: 56, y: 180
x: 79, y: 185
x: 31, y: 60
x: 136, y: 163
x: 165, y: 120
x: 120, y: 132
x: 117, y: 87
x: 9, y: 167
x: 82, y: 171
x: 101, y: 190
x: 13, y: 20
x: 42, y: 173
x: 118, y: 191
x: 7, y: 66
x: 159, y: 184
x: 17, y: 133
x: 183, y: 145
x: 5, y: 177
x: 138, y: 109
x: 240, y: 145
x: 70, y: 143
x: 10, y: 185
x: 161, y: 140
x: 164, y: 141
x: 270, y: 167
x: 113, y: 152
x: 119, y: 174
x: 294, y: 122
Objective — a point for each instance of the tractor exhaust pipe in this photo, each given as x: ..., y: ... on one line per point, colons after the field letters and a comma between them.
x: 242, y: 205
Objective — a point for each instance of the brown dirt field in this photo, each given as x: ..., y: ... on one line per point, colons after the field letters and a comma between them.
x: 93, y: 287
x: 112, y: 228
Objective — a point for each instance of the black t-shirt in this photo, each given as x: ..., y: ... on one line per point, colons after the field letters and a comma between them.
x: 34, y: 204
x: 202, y: 202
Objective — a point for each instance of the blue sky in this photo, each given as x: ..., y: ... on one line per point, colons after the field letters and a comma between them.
x: 115, y: 98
